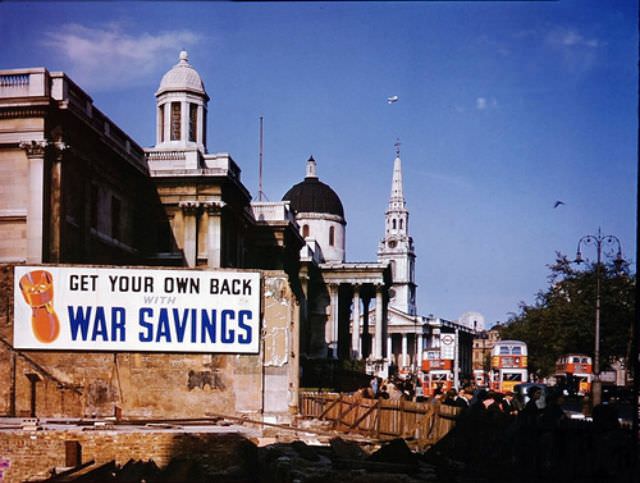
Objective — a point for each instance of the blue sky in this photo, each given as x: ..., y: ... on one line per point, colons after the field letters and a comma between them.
x: 505, y: 107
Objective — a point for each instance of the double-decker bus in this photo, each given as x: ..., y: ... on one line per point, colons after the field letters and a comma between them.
x: 438, y: 374
x: 508, y: 365
x: 574, y: 372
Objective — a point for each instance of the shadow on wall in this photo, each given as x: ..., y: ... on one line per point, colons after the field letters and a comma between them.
x: 211, y: 457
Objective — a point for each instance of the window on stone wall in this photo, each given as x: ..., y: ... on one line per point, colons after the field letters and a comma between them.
x: 305, y: 231
x: 332, y: 236
x: 401, y: 224
x: 175, y: 121
x: 394, y: 223
x: 116, y: 220
x: 193, y: 122
x: 161, y: 127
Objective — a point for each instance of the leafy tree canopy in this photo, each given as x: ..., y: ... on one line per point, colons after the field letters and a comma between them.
x: 562, y: 318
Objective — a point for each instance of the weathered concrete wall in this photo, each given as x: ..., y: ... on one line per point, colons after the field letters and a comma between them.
x: 153, y: 385
x: 27, y: 454
x: 14, y: 173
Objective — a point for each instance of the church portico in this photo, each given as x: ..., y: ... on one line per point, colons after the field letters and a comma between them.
x: 405, y: 347
x: 352, y: 287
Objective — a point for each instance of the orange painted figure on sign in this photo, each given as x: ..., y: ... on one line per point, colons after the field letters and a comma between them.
x: 37, y: 289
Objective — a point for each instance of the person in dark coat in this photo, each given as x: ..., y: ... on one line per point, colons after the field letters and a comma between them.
x: 450, y: 397
x: 463, y: 400
x: 507, y: 404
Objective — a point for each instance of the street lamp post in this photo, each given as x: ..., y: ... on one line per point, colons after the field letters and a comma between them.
x: 598, y: 241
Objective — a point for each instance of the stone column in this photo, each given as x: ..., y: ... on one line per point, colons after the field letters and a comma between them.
x: 159, y: 124
x: 167, y: 121
x: 214, y: 233
x: 419, y: 355
x: 35, y: 215
x: 404, y: 351
x: 331, y: 329
x: 366, y: 337
x: 184, y: 121
x: 55, y: 221
x: 189, y: 244
x: 200, y: 128
x: 377, y: 350
x: 389, y: 349
x: 356, y: 352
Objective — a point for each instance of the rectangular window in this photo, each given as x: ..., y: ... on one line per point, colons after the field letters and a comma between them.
x: 175, y: 121
x: 116, y: 222
x: 161, y: 123
x: 193, y: 122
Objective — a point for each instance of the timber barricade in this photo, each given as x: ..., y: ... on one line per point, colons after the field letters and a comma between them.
x: 424, y: 423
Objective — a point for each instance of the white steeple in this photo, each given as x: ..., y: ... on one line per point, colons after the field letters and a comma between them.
x: 397, y: 246
x: 397, y: 198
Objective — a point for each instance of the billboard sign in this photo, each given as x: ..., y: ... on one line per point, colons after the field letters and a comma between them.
x: 105, y: 309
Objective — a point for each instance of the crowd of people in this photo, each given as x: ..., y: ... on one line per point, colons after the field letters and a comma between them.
x: 529, y: 432
x: 534, y: 435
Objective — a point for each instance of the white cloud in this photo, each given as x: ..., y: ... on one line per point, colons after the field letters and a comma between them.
x: 579, y: 53
x: 483, y: 103
x: 563, y: 37
x: 108, y: 57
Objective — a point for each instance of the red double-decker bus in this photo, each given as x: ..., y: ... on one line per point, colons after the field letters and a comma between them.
x: 508, y: 365
x: 438, y: 374
x: 575, y: 373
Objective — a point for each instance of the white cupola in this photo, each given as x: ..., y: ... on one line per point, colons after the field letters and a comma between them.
x: 181, y: 102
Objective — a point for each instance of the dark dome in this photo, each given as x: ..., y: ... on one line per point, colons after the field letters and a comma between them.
x: 313, y: 196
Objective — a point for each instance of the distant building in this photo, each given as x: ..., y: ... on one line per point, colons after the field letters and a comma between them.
x: 413, y: 339
x: 483, y: 342
x: 78, y: 190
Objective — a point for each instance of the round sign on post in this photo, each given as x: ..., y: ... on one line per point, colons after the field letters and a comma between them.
x: 447, y: 346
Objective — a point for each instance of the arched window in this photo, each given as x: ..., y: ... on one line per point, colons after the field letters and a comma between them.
x: 401, y: 224
x: 175, y: 121
x: 193, y: 121
x: 332, y: 235
x: 305, y: 231
x: 394, y: 223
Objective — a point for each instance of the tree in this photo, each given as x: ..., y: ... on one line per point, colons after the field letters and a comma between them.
x: 562, y: 318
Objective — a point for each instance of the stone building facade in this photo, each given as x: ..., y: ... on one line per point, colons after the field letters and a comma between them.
x: 80, y: 191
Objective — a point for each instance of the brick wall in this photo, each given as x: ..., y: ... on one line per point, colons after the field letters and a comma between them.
x: 143, y: 385
x: 28, y: 454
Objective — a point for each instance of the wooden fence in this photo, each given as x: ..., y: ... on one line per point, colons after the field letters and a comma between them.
x: 423, y: 423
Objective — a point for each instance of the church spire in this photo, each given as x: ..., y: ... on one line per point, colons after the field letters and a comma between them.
x: 396, y: 248
x: 397, y: 201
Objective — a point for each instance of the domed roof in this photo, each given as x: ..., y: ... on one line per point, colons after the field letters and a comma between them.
x: 313, y: 196
x: 182, y: 77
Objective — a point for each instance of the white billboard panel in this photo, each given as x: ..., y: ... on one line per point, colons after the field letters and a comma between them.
x: 447, y: 346
x: 105, y: 309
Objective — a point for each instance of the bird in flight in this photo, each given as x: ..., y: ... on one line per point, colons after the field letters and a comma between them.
x: 558, y: 203
x: 392, y: 99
